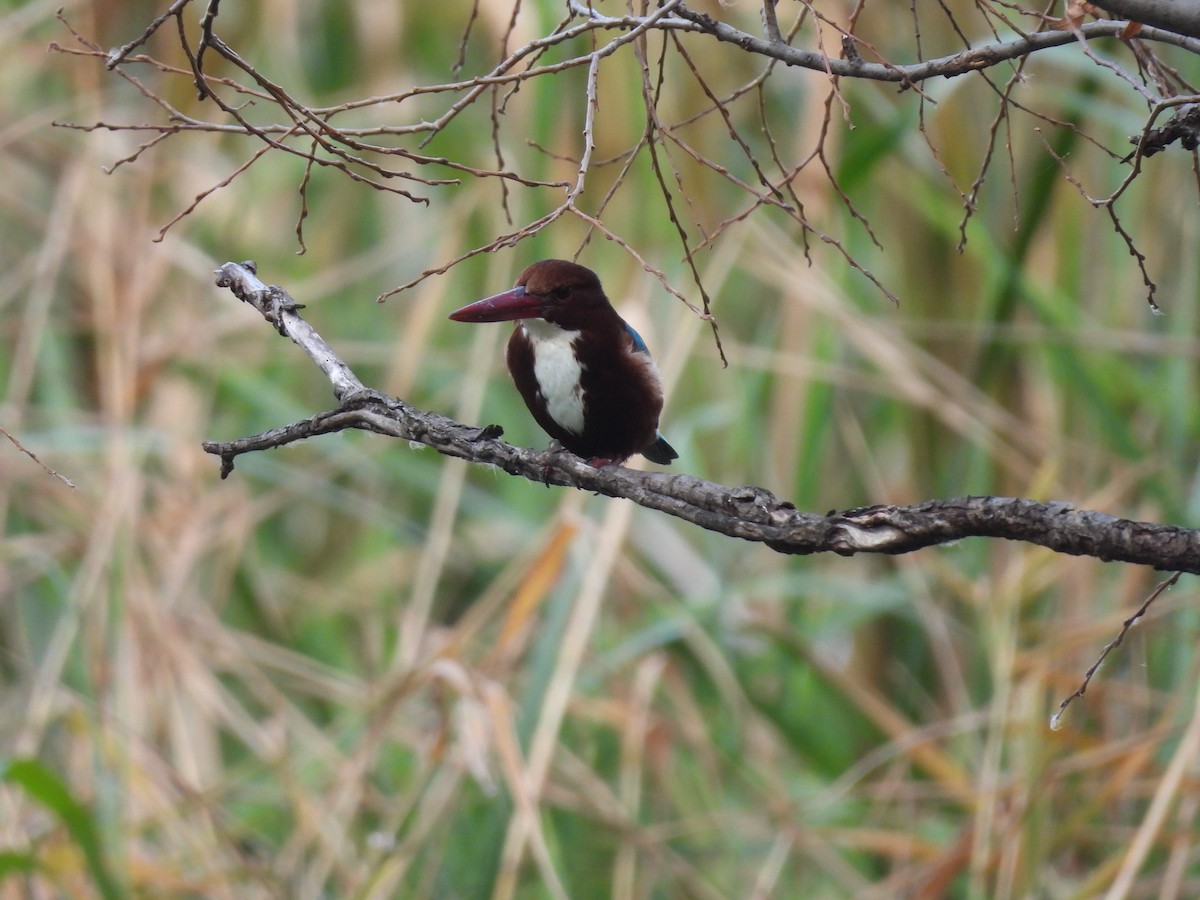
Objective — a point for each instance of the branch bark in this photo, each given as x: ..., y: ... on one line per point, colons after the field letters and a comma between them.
x: 747, y: 512
x: 1172, y: 15
x: 973, y: 59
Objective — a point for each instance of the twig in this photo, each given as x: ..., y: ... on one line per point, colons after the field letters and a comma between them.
x: 63, y: 478
x: 1056, y: 719
x: 206, y: 40
x: 116, y: 57
x: 771, y: 22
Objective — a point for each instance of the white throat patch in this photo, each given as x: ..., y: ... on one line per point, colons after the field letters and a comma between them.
x: 557, y: 371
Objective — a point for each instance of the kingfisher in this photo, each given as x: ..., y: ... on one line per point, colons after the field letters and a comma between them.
x: 582, y: 370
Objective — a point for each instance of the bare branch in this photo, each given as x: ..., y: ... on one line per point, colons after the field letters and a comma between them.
x: 1182, y: 18
x: 970, y: 60
x: 747, y: 512
x: 278, y: 308
x: 365, y: 153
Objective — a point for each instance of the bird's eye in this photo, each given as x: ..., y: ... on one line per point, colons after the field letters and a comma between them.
x: 561, y: 293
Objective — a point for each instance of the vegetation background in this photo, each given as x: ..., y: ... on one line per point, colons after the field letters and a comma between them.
x: 360, y: 669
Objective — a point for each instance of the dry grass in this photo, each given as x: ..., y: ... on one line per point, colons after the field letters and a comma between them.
x: 359, y: 670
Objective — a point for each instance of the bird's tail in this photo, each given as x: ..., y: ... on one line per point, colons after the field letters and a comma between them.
x: 660, y: 452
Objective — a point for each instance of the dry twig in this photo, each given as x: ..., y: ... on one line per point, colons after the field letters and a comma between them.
x: 1056, y: 719
x: 375, y: 155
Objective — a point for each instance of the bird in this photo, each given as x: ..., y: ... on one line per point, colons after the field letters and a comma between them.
x: 585, y: 374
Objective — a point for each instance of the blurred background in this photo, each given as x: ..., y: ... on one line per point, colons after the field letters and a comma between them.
x: 356, y: 668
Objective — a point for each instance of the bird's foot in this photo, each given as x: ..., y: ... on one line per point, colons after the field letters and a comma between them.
x: 554, y: 448
x: 596, y: 462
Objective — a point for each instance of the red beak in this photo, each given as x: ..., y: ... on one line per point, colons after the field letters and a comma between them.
x: 514, y: 304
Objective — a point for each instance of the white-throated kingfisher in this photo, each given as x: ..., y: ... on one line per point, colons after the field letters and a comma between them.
x: 584, y: 373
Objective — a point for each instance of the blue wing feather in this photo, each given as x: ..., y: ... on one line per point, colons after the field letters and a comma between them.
x: 660, y: 451
x: 638, y: 344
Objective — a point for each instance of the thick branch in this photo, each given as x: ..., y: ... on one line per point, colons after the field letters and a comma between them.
x: 750, y: 513
x: 1180, y: 16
